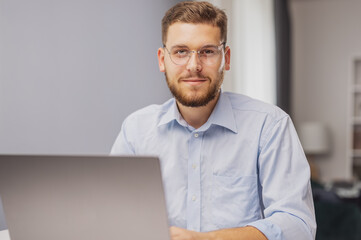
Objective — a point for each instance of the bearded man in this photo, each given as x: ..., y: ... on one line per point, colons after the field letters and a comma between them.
x: 232, y: 166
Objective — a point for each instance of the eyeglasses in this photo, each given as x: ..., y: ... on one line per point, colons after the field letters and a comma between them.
x: 208, y: 55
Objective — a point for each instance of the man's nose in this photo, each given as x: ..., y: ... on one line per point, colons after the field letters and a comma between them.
x: 194, y: 63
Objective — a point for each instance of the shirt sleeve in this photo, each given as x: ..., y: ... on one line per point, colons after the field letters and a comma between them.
x: 284, y: 181
x: 124, y: 145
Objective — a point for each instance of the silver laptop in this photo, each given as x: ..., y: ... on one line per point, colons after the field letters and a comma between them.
x: 4, y: 233
x: 83, y: 198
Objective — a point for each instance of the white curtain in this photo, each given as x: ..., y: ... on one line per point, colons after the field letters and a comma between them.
x: 251, y: 35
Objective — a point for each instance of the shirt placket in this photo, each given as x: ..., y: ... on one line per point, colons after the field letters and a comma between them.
x: 194, y: 182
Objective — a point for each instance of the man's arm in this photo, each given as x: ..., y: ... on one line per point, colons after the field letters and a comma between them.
x: 284, y: 185
x: 246, y: 233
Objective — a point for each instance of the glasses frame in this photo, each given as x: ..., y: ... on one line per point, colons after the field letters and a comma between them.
x: 195, y: 51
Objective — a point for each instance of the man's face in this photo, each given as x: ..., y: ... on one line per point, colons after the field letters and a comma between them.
x: 195, y: 83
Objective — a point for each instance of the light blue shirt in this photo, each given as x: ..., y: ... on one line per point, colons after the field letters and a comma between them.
x: 244, y: 166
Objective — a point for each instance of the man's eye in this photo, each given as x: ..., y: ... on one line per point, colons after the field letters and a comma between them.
x: 208, y: 51
x: 180, y: 52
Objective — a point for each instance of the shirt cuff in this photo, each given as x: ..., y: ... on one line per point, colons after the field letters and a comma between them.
x: 270, y: 230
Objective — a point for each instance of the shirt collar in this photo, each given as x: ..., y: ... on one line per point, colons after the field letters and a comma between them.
x: 171, y: 114
x: 222, y: 115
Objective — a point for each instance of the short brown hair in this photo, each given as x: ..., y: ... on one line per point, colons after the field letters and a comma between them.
x: 195, y: 12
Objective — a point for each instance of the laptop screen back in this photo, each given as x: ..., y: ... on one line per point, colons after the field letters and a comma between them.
x: 4, y: 233
x: 83, y: 197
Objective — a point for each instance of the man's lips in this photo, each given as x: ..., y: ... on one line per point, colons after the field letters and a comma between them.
x: 194, y: 81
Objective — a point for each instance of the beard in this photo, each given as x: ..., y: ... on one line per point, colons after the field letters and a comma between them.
x: 195, y: 100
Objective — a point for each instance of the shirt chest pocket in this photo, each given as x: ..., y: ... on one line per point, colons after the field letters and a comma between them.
x: 235, y: 201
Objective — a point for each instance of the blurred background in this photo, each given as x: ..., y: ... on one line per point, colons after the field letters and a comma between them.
x: 72, y: 70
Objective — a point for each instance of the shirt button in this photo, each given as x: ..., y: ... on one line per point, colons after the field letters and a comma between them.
x: 196, y: 135
x: 194, y: 198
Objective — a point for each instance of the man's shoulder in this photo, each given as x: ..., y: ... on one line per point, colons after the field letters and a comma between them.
x: 151, y: 112
x: 242, y: 103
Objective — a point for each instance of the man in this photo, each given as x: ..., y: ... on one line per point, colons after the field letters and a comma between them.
x: 232, y: 166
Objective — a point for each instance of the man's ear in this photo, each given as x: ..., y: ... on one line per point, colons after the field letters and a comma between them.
x: 227, y: 58
x: 161, y: 59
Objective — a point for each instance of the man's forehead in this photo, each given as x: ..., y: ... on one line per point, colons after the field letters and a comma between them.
x: 181, y: 33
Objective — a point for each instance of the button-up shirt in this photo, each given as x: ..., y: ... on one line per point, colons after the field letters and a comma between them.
x: 244, y: 166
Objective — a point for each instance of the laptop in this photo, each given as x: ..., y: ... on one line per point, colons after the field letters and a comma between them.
x: 83, y: 197
x: 4, y: 233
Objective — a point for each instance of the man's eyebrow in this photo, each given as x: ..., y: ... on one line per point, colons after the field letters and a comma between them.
x: 180, y: 46
x: 185, y: 46
x: 209, y: 45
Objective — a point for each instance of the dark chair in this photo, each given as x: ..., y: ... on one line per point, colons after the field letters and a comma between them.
x: 336, y: 220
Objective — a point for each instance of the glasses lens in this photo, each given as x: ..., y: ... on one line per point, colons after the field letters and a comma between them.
x: 209, y: 55
x: 179, y: 56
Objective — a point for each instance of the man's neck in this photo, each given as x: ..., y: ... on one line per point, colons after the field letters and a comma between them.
x: 197, y: 116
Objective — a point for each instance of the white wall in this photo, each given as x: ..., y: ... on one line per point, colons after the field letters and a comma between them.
x: 326, y: 37
x: 72, y: 70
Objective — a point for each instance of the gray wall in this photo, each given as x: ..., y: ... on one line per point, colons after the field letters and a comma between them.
x: 72, y: 70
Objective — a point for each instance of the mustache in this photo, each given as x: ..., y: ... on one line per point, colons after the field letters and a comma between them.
x: 194, y: 76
